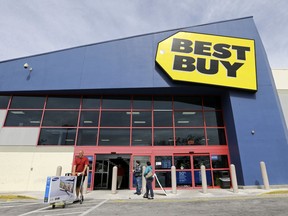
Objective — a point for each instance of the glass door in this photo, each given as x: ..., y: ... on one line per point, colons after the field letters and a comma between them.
x: 101, y: 175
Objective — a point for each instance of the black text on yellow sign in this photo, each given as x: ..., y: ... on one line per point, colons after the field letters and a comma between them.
x: 209, y: 59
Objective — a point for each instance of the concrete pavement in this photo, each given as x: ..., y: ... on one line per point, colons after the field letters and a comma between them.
x: 159, y: 194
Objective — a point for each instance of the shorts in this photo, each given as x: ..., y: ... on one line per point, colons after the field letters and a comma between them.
x: 78, y: 182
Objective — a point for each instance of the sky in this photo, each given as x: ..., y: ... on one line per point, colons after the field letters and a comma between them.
x: 30, y: 27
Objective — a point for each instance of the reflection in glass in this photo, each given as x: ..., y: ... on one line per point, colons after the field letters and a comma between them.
x: 163, y: 137
x: 63, y: 103
x: 162, y: 103
x: 163, y: 162
x: 217, y: 174
x: 190, y: 136
x: 164, y: 179
x: 189, y: 119
x: 163, y: 119
x: 142, y: 137
x: 23, y: 118
x: 116, y: 102
x: 214, y: 119
x: 212, y: 103
x: 141, y: 119
x: 27, y: 102
x: 114, y: 137
x: 4, y: 100
x: 57, y: 136
x: 219, y: 161
x: 91, y: 102
x: 201, y: 160
x: 142, y: 102
x: 60, y: 118
x: 187, y: 103
x: 115, y: 119
x: 89, y: 118
x: 216, y: 136
x: 182, y: 162
x: 87, y: 137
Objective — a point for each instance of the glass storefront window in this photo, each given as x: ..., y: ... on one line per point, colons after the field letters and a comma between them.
x: 217, y: 174
x: 141, y: 119
x: 26, y: 102
x: 188, y: 119
x: 89, y: 118
x: 57, y: 136
x: 184, y: 178
x: 219, y: 161
x: 114, y: 137
x: 60, y: 118
x: 187, y: 103
x: 163, y: 103
x: 115, y: 119
x: 182, y: 162
x: 164, y: 179
x: 87, y: 137
x: 23, y: 118
x: 141, y: 137
x: 4, y: 100
x: 214, y: 119
x: 198, y: 178
x: 212, y: 103
x: 63, y: 103
x: 190, y: 136
x: 201, y: 160
x: 163, y: 162
x: 142, y: 102
x: 216, y: 136
x: 116, y: 102
x: 163, y: 137
x: 91, y: 103
x: 163, y: 118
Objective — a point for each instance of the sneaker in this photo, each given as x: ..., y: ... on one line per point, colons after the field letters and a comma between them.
x: 145, y: 196
x: 150, y: 197
x: 135, y: 193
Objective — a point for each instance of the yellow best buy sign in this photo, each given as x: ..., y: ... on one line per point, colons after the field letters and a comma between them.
x: 209, y: 59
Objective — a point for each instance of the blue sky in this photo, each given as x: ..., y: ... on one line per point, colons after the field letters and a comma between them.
x: 31, y: 27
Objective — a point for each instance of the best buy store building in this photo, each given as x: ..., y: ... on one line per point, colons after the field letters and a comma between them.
x: 187, y: 97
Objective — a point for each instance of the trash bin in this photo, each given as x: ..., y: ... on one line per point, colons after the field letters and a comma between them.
x: 225, y: 183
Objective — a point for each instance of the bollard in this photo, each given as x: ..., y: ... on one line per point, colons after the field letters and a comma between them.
x: 234, y: 178
x: 204, y: 180
x: 173, y: 179
x: 264, y: 175
x: 59, y: 171
x: 143, y: 180
x: 114, y: 180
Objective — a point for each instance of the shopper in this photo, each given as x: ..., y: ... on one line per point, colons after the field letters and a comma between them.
x: 80, y: 166
x: 148, y: 174
x: 138, y: 177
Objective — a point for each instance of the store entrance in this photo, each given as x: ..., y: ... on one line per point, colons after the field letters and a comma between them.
x: 104, y: 168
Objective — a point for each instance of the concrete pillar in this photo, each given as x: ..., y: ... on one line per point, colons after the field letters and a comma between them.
x: 173, y: 180
x: 143, y: 180
x: 234, y: 178
x: 114, y: 180
x: 264, y: 175
x: 204, y: 179
x: 59, y: 171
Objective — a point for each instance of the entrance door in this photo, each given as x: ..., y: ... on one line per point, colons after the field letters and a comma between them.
x: 104, y: 170
x: 188, y: 170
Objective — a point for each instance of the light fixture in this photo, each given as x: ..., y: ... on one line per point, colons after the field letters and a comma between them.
x: 27, y: 66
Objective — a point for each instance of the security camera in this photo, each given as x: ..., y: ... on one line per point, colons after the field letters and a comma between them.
x: 26, y: 65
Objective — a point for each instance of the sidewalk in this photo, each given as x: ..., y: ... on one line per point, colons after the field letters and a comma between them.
x: 159, y: 194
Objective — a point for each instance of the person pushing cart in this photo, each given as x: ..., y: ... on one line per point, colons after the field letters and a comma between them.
x: 80, y: 165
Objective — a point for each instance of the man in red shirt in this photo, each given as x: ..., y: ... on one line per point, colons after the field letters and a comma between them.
x: 80, y: 170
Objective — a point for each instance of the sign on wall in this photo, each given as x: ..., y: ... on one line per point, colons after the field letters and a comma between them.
x: 209, y: 59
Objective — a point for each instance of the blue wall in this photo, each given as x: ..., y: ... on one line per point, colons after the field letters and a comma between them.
x: 128, y: 66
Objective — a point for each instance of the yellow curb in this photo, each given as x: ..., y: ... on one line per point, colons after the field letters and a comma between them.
x: 13, y: 196
x: 276, y: 192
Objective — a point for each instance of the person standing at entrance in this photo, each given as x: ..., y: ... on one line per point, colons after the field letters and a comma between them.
x: 120, y: 175
x: 80, y: 166
x: 149, y: 179
x: 138, y: 177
